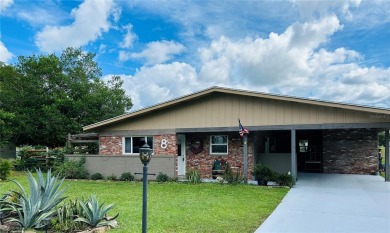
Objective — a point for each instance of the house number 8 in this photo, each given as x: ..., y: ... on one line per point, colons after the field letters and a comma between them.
x: 164, y: 143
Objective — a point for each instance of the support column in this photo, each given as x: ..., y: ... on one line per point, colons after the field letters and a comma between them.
x: 245, y: 158
x: 293, y: 155
x: 387, y: 156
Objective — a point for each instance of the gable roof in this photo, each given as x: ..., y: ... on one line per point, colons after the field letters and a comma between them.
x: 203, y: 93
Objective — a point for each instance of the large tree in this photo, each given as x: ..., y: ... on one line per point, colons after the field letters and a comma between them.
x: 45, y: 97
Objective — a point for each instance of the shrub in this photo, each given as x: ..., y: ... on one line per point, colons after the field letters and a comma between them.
x: 284, y: 179
x: 72, y: 169
x: 111, y: 177
x: 263, y: 174
x: 193, y: 177
x: 232, y: 177
x: 127, y: 176
x: 161, y: 177
x: 59, y: 153
x: 173, y: 179
x: 95, y: 214
x: 97, y: 176
x: 5, y: 168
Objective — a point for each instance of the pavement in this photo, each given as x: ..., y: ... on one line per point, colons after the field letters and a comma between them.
x: 332, y: 203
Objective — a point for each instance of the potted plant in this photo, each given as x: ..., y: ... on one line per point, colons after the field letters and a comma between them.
x: 263, y: 174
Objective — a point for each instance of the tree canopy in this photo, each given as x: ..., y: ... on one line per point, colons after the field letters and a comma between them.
x: 43, y: 98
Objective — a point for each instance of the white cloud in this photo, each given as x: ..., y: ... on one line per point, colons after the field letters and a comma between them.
x: 90, y: 21
x: 4, y: 4
x: 155, y: 52
x: 279, y: 59
x: 319, y: 9
x: 294, y: 62
x: 367, y: 86
x: 129, y: 37
x: 163, y: 82
x: 5, y: 55
x: 41, y: 16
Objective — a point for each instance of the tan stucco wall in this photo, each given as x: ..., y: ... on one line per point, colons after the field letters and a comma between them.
x: 115, y: 165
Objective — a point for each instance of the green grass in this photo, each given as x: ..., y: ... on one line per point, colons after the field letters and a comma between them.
x: 178, y: 207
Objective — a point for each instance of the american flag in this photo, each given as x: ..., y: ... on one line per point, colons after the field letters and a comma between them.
x: 242, y: 130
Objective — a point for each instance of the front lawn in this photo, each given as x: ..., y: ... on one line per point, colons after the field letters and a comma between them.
x: 178, y: 207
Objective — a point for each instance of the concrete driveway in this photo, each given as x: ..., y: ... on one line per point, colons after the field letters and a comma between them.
x: 333, y: 203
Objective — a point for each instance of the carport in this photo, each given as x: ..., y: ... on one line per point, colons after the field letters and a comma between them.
x: 332, y: 203
x: 326, y: 148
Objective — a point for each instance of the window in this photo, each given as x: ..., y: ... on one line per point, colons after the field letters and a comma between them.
x: 131, y: 145
x: 303, y: 145
x: 219, y: 144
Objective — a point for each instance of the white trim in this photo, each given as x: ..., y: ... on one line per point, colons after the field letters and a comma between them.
x: 131, y: 141
x: 181, y: 169
x: 223, y: 144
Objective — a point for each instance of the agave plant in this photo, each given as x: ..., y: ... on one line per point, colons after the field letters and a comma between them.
x: 95, y: 214
x: 35, y: 210
x: 64, y: 219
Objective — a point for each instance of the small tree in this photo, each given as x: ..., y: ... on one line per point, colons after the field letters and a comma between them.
x: 5, y: 168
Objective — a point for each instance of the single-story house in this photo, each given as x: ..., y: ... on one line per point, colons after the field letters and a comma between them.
x: 289, y: 134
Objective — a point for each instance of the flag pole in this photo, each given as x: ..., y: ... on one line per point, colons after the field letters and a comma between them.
x: 244, y: 133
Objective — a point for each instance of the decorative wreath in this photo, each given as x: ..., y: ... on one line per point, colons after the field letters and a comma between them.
x: 196, y: 145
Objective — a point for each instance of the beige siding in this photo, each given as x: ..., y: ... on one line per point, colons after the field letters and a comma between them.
x: 223, y: 109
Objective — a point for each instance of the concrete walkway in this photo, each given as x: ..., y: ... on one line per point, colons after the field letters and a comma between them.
x: 333, y: 203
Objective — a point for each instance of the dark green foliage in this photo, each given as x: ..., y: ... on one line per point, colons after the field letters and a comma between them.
x: 232, y: 177
x: 97, y: 176
x: 127, y: 176
x: 6, y: 121
x: 111, y: 177
x: 381, y: 138
x: 45, y: 97
x: 173, y: 179
x: 193, y: 176
x: 263, y: 174
x: 59, y: 154
x: 5, y: 168
x: 162, y: 177
x: 72, y: 169
x: 284, y: 179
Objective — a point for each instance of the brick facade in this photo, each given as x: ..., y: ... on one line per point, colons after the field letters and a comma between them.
x: 202, y: 160
x: 350, y: 151
x: 165, y: 144
x: 110, y: 145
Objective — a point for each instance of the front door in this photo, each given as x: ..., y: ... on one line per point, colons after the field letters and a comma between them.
x: 181, y: 155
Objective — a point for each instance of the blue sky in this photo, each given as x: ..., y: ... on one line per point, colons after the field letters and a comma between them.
x: 330, y: 50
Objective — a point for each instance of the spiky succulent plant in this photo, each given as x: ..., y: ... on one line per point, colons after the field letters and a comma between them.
x: 95, y: 214
x: 35, y: 209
